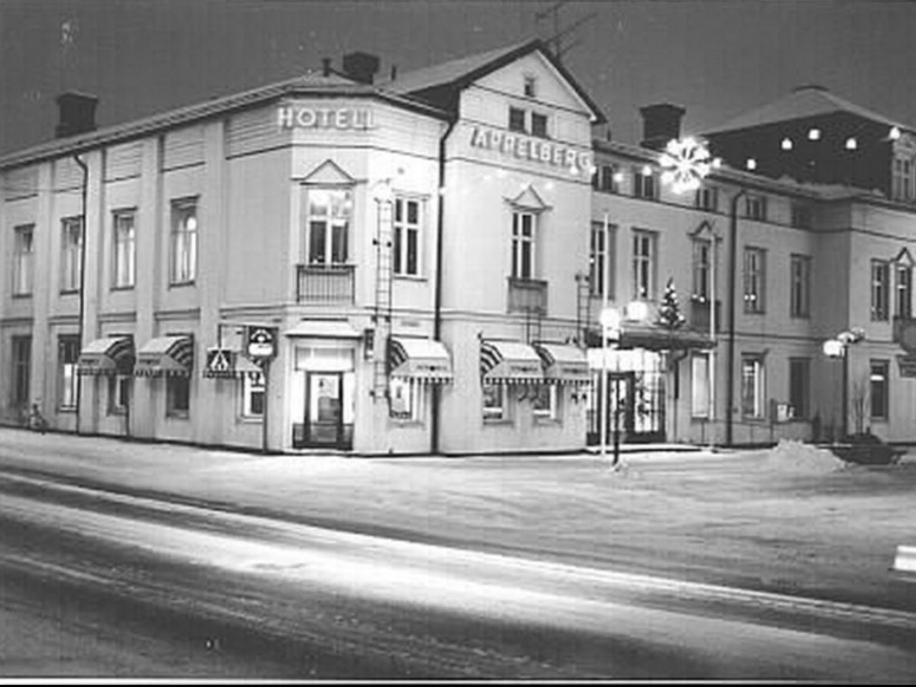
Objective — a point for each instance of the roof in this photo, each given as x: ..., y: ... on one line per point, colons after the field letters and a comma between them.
x: 805, y: 101
x: 460, y: 72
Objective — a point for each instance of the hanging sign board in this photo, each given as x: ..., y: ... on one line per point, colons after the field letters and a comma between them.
x: 220, y: 363
x: 261, y: 342
x: 907, y: 365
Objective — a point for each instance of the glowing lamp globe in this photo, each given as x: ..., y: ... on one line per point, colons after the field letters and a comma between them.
x: 834, y: 348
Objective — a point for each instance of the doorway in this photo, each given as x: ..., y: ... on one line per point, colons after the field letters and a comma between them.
x: 324, y: 424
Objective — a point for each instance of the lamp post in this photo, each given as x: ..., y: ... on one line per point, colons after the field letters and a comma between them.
x: 838, y: 348
x: 610, y: 329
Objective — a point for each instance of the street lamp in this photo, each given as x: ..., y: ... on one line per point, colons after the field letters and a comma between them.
x: 838, y: 348
x: 610, y: 329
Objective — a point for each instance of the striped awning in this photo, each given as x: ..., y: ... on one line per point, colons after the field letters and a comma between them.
x: 165, y: 356
x: 509, y: 362
x: 563, y: 364
x: 226, y: 363
x: 424, y: 360
x: 107, y: 356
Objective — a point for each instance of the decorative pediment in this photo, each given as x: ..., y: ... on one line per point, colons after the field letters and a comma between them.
x: 528, y: 199
x: 328, y: 173
x: 706, y: 229
x: 905, y: 258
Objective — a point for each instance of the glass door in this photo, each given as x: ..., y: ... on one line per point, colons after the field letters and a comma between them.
x: 324, y: 409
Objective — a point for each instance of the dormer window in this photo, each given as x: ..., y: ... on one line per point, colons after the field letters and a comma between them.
x: 530, y: 87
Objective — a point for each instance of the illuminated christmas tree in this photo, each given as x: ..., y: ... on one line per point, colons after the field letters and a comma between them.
x: 669, y: 312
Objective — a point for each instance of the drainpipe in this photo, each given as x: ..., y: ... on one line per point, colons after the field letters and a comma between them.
x: 437, y: 308
x: 732, y: 298
x: 82, y: 296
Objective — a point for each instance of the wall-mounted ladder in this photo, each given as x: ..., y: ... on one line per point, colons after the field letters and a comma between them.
x: 382, y: 315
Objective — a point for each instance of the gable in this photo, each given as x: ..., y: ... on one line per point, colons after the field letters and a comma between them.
x: 328, y: 174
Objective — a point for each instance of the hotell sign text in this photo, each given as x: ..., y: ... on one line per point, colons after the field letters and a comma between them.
x: 527, y: 148
x: 289, y: 117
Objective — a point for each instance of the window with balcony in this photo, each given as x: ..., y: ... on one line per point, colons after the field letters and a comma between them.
x: 23, y: 259
x: 880, y: 278
x: 755, y: 207
x: 601, y: 260
x: 752, y: 387
x: 904, y: 291
x: 644, y: 264
x: 328, y: 225
x: 124, y: 263
x: 406, y: 227
x: 754, y: 280
x: 878, y: 389
x: 645, y: 184
x: 800, y: 286
x: 183, y: 253
x: 71, y: 242
x: 68, y: 352
x: 799, y: 386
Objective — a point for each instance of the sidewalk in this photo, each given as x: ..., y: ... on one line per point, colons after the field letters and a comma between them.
x: 790, y: 520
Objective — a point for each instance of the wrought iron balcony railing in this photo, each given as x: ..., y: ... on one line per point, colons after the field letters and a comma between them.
x: 318, y: 283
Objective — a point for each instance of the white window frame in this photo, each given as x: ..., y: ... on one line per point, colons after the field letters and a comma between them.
x: 707, y: 198
x: 702, y: 268
x: 494, y: 413
x: 880, y: 290
x: 551, y: 410
x: 335, y: 224
x: 401, y: 232
x: 903, y: 290
x: 67, y: 370
x: 800, y: 286
x: 753, y: 387
x: 23, y: 259
x: 755, y: 208
x: 183, y: 242
x: 523, y: 243
x: 406, y: 399
x: 645, y: 257
x: 754, y: 280
x: 118, y: 394
x: 902, y: 178
x: 597, y: 271
x: 645, y: 186
x: 124, y: 249
x: 71, y: 241
x: 252, y: 386
x: 699, y: 385
x: 879, y: 372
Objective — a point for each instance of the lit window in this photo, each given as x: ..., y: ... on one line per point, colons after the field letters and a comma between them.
x: 800, y: 285
x: 643, y: 265
x: 329, y: 214
x: 699, y: 383
x: 752, y: 387
x: 125, y: 250
x: 253, y: 395
x: 68, y: 352
x: 754, y: 279
x: 406, y: 237
x: 23, y: 259
x: 814, y: 134
x: 545, y: 402
x: 494, y: 402
x: 880, y: 277
x: 71, y: 242
x: 878, y: 389
x: 183, y: 263
x: 523, y: 244
x: 405, y: 399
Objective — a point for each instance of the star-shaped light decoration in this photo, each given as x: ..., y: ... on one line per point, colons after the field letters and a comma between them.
x: 685, y: 162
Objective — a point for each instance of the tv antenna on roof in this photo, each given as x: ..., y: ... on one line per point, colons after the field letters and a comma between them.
x: 558, y: 34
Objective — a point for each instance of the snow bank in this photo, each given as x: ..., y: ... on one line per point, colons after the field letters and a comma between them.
x: 798, y: 456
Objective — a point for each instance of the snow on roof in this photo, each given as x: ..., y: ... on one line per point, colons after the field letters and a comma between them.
x: 805, y: 101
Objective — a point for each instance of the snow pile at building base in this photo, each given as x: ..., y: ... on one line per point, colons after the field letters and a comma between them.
x: 798, y: 456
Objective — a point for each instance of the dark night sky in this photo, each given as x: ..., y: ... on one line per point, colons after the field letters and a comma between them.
x: 717, y: 58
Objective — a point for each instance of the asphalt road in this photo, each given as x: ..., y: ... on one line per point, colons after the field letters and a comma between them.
x: 106, y: 584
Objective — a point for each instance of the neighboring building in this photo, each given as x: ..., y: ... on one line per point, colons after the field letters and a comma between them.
x: 428, y: 255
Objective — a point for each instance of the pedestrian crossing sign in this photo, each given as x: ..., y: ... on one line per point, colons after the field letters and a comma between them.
x: 219, y: 363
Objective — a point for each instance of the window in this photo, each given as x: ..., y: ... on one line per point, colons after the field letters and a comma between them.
x: 878, y: 389
x: 71, y: 242
x: 545, y: 402
x: 21, y: 358
x: 517, y: 119
x: 183, y: 262
x: 406, y: 237
x: 405, y: 399
x: 880, y: 276
x: 799, y: 385
x: 801, y: 215
x: 523, y: 227
x: 644, y: 185
x: 755, y: 207
x: 329, y: 214
x: 23, y: 259
x: 530, y: 87
x: 643, y: 265
x: 253, y: 395
x: 601, y: 249
x: 702, y: 268
x: 125, y: 250
x: 904, y: 291
x: 177, y: 396
x: 68, y: 353
x: 538, y: 125
x: 800, y: 294
x: 608, y: 179
x: 708, y: 198
x: 699, y: 384
x: 118, y: 394
x: 494, y: 402
x: 754, y: 279
x: 902, y: 179
x: 752, y: 387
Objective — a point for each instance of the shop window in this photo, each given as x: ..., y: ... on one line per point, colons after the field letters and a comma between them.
x: 644, y: 264
x: 183, y: 253
x: 800, y: 286
x: 124, y: 264
x: 494, y: 402
x: 878, y: 389
x: 755, y: 207
x: 752, y: 387
x: 517, y: 120
x: 524, y: 226
x: 23, y: 259
x: 880, y: 277
x: 799, y: 386
x: 545, y: 402
x: 754, y: 280
x: 71, y: 242
x: 904, y: 291
x: 68, y: 352
x: 406, y: 237
x: 405, y: 399
x: 330, y: 212
x: 253, y: 395
x: 699, y: 384
x: 118, y: 394
x: 707, y: 198
x: 21, y: 347
x: 601, y: 260
x: 177, y: 396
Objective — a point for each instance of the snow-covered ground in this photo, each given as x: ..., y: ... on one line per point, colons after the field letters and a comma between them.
x: 792, y: 519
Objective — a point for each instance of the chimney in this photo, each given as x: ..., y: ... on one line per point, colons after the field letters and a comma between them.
x: 660, y: 123
x: 325, y: 66
x: 361, y: 66
x: 76, y: 114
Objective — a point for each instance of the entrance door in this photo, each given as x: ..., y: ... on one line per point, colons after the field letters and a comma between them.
x: 620, y: 405
x: 324, y: 424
